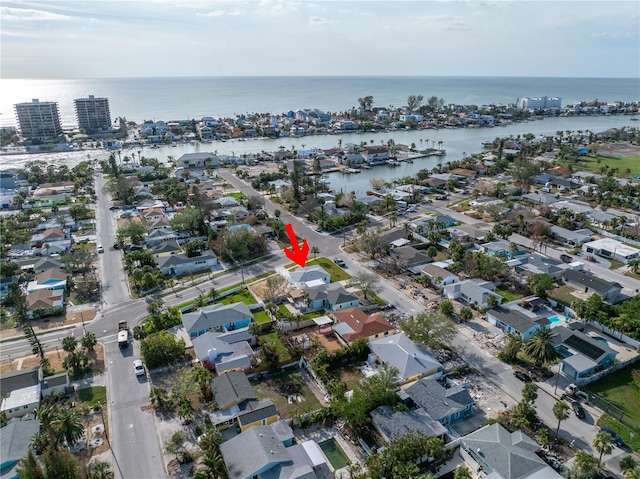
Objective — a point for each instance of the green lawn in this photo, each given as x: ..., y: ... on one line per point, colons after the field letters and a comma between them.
x: 589, y: 163
x: 94, y: 396
x: 242, y: 296
x: 285, y: 357
x: 623, y: 431
x: 509, y: 295
x: 336, y: 272
x: 261, y: 317
x: 282, y: 309
x: 563, y: 294
x: 618, y: 388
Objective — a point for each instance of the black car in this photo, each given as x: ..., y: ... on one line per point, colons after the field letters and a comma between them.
x: 617, y: 440
x: 522, y: 376
x: 578, y: 409
x: 114, y: 207
x: 566, y: 258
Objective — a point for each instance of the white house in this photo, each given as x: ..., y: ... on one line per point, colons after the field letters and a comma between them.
x: 439, y: 276
x: 611, y: 249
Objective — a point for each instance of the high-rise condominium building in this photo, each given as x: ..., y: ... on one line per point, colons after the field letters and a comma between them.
x: 39, y: 120
x: 93, y: 114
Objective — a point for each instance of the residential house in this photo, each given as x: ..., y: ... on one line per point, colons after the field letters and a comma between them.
x: 439, y: 276
x: 53, y: 278
x: 55, y: 385
x: 165, y: 234
x: 467, y: 233
x: 611, y: 249
x: 260, y: 454
x: 540, y: 198
x: 332, y: 297
x: 609, y: 292
x: 308, y: 277
x: 536, y: 263
x: 352, y: 324
x: 571, y: 238
x: 49, y: 236
x: 227, y: 202
x: 22, y: 378
x: 5, y: 284
x: 502, y: 249
x: 582, y: 355
x: 200, y: 160
x: 238, y: 213
x: 21, y: 401
x: 238, y: 404
x: 473, y: 292
x: 412, y: 360
x: 375, y: 155
x: 216, y: 352
x: 408, y: 257
x: 15, y: 443
x: 180, y: 264
x: 165, y: 248
x: 218, y: 318
x: 392, y: 424
x: 484, y: 201
x: 501, y: 454
x: 445, y: 405
x: 518, y: 320
x: 45, y: 302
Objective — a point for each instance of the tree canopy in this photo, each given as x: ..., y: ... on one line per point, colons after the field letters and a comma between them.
x: 430, y: 329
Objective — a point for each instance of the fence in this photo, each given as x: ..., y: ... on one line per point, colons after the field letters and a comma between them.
x: 614, y: 411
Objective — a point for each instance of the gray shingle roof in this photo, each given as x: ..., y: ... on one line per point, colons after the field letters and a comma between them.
x: 517, y: 320
x: 599, y: 285
x: 231, y: 388
x: 438, y: 401
x: 18, y: 380
x: 509, y: 454
x: 392, y: 423
x: 15, y: 439
x: 409, y: 358
x: 211, y: 317
x: 256, y: 411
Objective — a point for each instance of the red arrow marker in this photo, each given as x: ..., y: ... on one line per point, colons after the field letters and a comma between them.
x: 295, y: 253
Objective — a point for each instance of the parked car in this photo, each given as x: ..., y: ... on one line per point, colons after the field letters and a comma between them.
x: 340, y: 262
x: 114, y: 207
x: 566, y: 258
x: 138, y: 367
x: 522, y: 376
x: 100, y: 249
x: 578, y: 409
x: 441, y: 197
x: 617, y: 440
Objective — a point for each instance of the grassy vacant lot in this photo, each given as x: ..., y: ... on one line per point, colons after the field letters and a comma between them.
x: 261, y: 316
x: 271, y: 388
x: 589, y: 163
x: 93, y: 396
x: 336, y: 272
x: 618, y: 388
x: 563, y: 294
x: 242, y: 296
x: 509, y: 295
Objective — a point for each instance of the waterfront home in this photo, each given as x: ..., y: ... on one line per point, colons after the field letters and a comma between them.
x: 502, y: 454
x: 587, y: 283
x: 582, y: 355
x: 352, y: 324
x: 392, y: 424
x: 412, y: 360
x: 218, y: 318
x: 445, y: 405
x: 376, y: 155
x: 473, y: 292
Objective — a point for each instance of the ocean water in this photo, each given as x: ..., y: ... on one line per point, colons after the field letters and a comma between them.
x: 183, y: 98
x: 166, y: 99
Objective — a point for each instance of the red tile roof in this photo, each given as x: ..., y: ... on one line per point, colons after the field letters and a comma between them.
x: 362, y: 324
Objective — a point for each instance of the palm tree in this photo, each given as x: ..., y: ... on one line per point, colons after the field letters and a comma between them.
x: 89, y: 341
x: 315, y: 250
x: 603, y: 443
x: 630, y: 467
x: 213, y: 294
x: 46, y: 414
x: 540, y: 346
x: 69, y: 426
x: 254, y: 330
x: 561, y: 412
x: 634, y: 264
x: 530, y: 393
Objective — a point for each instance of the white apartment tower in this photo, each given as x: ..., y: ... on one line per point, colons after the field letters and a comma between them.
x: 39, y: 120
x: 93, y: 114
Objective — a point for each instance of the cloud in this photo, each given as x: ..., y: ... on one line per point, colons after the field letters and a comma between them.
x: 314, y: 21
x: 614, y: 35
x: 214, y: 13
x: 278, y: 6
x: 446, y: 22
x: 10, y: 14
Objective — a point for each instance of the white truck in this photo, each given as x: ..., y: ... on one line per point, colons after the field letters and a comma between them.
x: 123, y: 334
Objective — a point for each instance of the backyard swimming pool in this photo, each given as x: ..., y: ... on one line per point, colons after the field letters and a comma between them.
x: 334, y: 453
x: 555, y: 319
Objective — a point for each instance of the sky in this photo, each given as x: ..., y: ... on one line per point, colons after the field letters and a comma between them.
x: 128, y: 38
